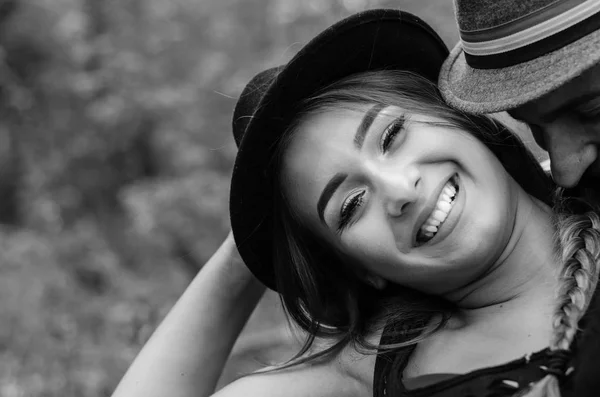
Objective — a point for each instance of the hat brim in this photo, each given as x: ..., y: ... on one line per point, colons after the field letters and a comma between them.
x: 371, y: 40
x: 495, y: 90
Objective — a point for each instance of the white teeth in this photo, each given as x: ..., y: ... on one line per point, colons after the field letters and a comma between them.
x: 440, y: 213
x: 431, y: 229
x: 444, y: 206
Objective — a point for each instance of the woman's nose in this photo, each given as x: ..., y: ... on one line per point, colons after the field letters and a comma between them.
x: 399, y: 189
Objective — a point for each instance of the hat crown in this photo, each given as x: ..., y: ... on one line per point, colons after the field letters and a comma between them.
x: 473, y: 15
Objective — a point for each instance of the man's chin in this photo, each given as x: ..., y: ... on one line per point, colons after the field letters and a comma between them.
x: 587, y: 189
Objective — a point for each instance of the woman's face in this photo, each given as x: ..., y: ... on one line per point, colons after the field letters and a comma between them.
x: 418, y: 204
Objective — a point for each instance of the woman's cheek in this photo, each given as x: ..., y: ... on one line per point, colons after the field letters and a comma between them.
x: 373, y: 250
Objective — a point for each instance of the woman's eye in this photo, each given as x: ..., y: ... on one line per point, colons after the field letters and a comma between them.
x: 390, y: 133
x: 349, y: 207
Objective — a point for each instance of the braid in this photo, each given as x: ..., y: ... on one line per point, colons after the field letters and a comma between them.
x: 578, y: 243
x: 578, y: 250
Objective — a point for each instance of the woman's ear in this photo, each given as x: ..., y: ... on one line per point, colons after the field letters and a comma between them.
x: 376, y: 282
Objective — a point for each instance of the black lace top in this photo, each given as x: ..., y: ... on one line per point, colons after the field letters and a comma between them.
x: 498, y: 381
x: 581, y: 378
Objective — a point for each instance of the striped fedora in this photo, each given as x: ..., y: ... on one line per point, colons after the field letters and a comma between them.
x: 514, y: 51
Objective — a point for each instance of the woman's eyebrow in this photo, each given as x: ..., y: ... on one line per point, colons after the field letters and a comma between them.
x: 327, y: 193
x: 366, y: 122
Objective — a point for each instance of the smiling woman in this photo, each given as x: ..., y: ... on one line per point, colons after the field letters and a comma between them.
x: 421, y: 247
x: 401, y: 187
x: 416, y: 189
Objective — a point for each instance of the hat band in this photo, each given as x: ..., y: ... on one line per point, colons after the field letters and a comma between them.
x: 531, y: 36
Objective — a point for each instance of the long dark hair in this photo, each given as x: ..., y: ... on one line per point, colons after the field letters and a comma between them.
x: 320, y: 291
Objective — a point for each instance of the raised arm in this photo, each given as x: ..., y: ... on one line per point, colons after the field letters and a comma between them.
x: 185, y: 355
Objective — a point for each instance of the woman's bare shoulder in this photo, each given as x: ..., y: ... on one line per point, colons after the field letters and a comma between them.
x: 314, y: 380
x: 347, y: 374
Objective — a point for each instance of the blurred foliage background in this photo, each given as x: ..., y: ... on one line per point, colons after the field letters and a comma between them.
x: 115, y: 154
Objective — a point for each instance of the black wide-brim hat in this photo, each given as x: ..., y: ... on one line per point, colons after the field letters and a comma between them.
x: 368, y: 41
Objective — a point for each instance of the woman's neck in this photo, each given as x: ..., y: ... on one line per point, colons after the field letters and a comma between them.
x: 521, y: 275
